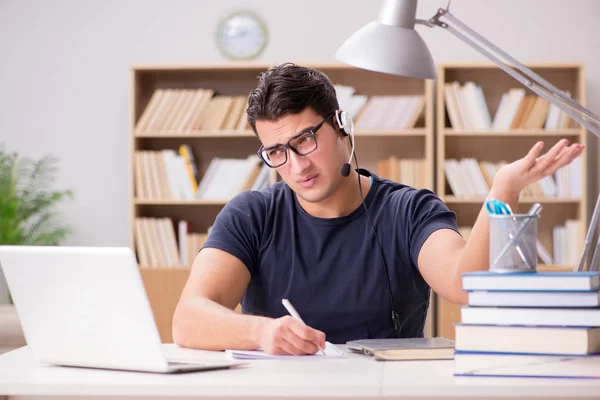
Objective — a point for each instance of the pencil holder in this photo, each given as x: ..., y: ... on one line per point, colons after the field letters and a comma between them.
x: 513, y: 243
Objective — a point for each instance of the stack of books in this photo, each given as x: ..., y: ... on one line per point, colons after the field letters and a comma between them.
x: 533, y: 324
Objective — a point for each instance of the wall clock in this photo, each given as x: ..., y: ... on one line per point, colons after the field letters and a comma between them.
x: 241, y: 35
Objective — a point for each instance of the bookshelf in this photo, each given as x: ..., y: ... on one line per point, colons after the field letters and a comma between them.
x: 161, y: 124
x: 479, y: 107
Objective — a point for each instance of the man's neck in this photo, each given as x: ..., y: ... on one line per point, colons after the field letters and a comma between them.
x: 343, y: 201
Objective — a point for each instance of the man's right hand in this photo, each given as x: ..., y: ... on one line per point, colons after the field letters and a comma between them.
x: 287, y: 335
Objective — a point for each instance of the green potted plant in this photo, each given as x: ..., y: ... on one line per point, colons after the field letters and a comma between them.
x: 28, y: 202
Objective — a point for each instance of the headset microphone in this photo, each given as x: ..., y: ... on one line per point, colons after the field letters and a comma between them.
x: 347, y: 128
x: 346, y: 167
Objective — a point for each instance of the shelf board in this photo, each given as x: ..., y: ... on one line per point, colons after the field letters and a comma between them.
x: 238, y: 134
x: 515, y: 132
x: 524, y: 199
x: 165, y: 202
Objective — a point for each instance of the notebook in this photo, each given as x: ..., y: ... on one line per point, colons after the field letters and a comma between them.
x: 437, y: 348
x: 331, y: 351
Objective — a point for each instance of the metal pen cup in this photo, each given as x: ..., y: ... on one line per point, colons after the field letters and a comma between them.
x: 513, y: 243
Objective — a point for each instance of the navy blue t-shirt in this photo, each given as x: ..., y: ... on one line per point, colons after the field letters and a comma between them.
x: 330, y: 268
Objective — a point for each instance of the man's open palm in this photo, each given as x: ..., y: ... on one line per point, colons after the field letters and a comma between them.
x: 516, y: 176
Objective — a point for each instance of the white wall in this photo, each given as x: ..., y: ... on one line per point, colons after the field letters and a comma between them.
x: 65, y: 70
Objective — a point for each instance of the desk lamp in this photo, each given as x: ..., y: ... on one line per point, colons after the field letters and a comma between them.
x: 392, y: 45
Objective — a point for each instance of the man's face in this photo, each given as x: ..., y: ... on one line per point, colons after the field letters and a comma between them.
x: 316, y: 175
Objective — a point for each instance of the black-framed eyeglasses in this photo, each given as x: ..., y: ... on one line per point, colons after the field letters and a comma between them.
x: 302, y: 144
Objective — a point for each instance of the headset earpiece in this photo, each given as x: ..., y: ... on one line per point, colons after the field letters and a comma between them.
x: 345, y: 122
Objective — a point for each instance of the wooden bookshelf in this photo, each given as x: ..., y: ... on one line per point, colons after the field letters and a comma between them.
x: 496, y: 143
x: 164, y: 284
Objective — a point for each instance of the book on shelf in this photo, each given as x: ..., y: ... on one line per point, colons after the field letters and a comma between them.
x: 168, y: 175
x: 380, y: 112
x: 468, y: 110
x: 158, y: 246
x: 567, y: 242
x: 468, y: 177
x: 156, y: 243
x: 189, y: 243
x: 177, y: 110
x: 408, y: 171
x: 227, y: 177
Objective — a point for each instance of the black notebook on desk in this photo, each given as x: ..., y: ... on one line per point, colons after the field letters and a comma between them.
x: 437, y: 348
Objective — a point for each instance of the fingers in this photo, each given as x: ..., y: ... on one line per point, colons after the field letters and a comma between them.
x: 531, y: 157
x: 282, y: 347
x: 285, y: 347
x: 294, y: 337
x: 558, y: 156
x: 547, y: 159
x: 305, y: 338
x: 307, y: 333
x: 566, y: 156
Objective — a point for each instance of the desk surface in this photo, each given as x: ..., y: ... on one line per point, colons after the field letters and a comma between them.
x: 357, y: 377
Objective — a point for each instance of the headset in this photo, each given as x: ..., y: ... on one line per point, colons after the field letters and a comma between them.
x: 346, y: 126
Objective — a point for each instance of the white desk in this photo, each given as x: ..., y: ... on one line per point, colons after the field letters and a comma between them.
x: 358, y: 377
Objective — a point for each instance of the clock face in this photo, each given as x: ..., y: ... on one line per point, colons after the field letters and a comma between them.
x: 242, y: 36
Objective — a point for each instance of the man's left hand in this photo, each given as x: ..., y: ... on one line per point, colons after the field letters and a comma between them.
x: 516, y: 176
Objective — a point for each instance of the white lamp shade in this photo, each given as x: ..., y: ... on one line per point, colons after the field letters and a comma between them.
x: 388, y: 49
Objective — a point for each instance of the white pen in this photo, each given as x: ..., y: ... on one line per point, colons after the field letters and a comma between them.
x: 288, y: 306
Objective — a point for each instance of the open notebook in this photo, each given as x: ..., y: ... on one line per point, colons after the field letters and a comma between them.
x: 331, y: 351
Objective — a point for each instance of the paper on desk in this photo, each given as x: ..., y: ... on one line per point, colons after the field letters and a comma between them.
x: 331, y: 351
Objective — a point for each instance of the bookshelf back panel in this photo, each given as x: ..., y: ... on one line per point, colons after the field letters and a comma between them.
x: 496, y: 148
x: 496, y: 82
x: 370, y: 150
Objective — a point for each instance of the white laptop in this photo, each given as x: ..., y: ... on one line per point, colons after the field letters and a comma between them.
x: 87, y: 307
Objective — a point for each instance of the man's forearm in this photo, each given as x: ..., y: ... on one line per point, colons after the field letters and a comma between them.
x: 475, y: 254
x: 204, y: 324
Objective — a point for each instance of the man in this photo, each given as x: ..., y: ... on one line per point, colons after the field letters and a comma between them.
x: 311, y: 240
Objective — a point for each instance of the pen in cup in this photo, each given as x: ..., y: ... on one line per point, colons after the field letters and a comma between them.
x: 290, y: 308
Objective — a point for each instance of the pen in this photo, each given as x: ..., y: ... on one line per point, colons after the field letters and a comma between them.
x: 290, y: 308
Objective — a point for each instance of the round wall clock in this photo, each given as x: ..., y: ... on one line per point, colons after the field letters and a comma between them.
x: 241, y: 35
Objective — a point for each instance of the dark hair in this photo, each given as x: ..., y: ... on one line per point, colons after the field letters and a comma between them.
x: 289, y: 89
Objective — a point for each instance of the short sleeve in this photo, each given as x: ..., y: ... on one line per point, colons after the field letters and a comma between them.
x: 237, y: 229
x: 425, y: 214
